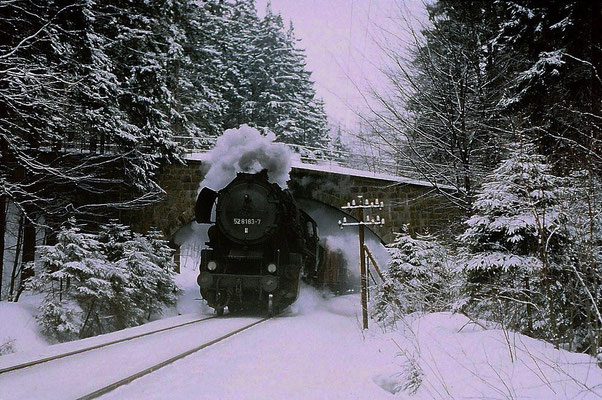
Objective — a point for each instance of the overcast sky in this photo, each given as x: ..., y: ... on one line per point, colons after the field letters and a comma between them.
x: 341, y: 42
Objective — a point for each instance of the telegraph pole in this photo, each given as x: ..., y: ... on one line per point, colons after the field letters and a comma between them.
x: 361, y: 206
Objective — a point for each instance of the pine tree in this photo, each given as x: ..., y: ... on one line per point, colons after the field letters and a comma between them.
x: 202, y: 75
x: 144, y: 278
x: 75, y: 280
x: 94, y: 284
x: 556, y: 53
x: 148, y: 261
x: 240, y: 23
x: 419, y: 279
x: 513, y: 246
x: 582, y: 316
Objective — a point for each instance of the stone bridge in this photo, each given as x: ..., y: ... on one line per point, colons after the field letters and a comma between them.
x: 407, y: 201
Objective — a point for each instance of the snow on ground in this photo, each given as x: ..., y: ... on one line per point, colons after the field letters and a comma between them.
x: 19, y: 329
x: 75, y: 376
x: 445, y: 356
x: 315, y: 350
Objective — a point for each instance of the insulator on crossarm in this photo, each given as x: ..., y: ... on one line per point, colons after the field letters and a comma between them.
x: 352, y: 202
x: 367, y: 218
x: 382, y: 221
x: 378, y: 218
x: 344, y: 220
x: 366, y: 202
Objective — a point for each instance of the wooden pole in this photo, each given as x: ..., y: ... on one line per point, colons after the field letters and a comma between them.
x: 364, y: 278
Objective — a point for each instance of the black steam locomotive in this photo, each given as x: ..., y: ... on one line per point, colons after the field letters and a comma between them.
x: 260, y: 246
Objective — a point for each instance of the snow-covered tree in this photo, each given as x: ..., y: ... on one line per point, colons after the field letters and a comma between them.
x: 151, y: 276
x: 282, y: 97
x: 555, y: 91
x: 441, y: 112
x: 100, y: 283
x: 420, y: 278
x: 513, y: 247
x: 582, y: 316
x: 203, y: 72
x: 75, y: 280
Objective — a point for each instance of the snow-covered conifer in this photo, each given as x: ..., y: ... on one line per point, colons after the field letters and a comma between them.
x: 512, y: 243
x: 100, y: 283
x: 419, y: 278
x: 148, y: 261
x: 75, y: 281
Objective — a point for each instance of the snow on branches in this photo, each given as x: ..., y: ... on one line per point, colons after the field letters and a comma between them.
x: 99, y: 283
x: 419, y: 279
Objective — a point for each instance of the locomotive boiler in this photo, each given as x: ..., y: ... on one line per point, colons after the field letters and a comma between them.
x: 260, y: 246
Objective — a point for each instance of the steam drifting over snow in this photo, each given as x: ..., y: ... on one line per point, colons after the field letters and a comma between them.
x: 246, y: 150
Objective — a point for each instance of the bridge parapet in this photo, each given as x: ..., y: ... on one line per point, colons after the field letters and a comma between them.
x: 381, y: 163
x: 407, y: 201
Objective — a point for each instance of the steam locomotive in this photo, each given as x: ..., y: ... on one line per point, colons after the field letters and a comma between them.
x: 260, y: 246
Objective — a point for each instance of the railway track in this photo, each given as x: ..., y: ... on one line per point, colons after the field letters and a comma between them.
x: 88, y: 374
x: 162, y: 364
x: 94, y: 347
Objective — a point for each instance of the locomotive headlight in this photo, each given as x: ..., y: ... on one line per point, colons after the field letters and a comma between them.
x: 211, y: 265
x: 271, y: 268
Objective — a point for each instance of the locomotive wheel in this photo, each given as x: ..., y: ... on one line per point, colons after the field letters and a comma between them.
x: 220, y: 303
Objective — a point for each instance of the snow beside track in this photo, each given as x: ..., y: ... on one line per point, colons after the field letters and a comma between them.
x: 18, y: 326
x: 315, y: 350
x: 78, y: 375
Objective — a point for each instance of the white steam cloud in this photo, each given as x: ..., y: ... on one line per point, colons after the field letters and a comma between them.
x: 246, y: 150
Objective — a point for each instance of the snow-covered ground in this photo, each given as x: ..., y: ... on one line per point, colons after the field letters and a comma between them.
x: 315, y: 350
x: 19, y: 330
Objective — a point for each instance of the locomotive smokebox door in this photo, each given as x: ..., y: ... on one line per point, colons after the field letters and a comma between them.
x: 247, y: 210
x: 204, y: 205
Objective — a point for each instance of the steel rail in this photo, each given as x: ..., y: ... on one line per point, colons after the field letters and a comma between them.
x: 98, y: 346
x: 162, y: 364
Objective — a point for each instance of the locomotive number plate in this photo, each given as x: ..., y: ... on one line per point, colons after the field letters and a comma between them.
x: 247, y: 221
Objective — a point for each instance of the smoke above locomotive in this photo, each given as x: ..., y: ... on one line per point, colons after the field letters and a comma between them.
x: 246, y: 150
x: 261, y: 244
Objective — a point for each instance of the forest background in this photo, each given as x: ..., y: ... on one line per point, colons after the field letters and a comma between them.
x: 501, y: 100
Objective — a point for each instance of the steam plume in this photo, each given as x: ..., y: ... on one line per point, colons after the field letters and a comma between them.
x: 246, y: 150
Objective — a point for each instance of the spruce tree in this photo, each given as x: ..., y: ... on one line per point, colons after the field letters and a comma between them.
x: 556, y: 53
x: 514, y: 247
x: 202, y: 73
x: 419, y: 278
x: 75, y: 279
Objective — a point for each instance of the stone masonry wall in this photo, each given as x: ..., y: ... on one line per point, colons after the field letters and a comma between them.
x: 419, y: 206
x: 181, y: 184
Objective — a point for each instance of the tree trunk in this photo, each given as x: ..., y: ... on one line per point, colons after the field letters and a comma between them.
x: 3, y: 205
x: 29, y: 252
x: 14, y: 273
